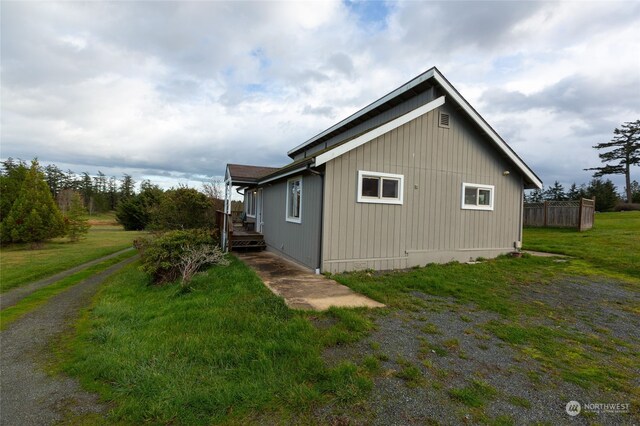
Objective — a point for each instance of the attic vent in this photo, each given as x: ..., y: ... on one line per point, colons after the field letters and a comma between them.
x: 444, y: 120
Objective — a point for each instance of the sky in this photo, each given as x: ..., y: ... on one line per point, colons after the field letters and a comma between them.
x: 173, y: 91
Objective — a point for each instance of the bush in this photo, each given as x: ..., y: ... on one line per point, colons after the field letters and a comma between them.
x: 178, y: 254
x: 622, y: 207
x: 183, y: 208
x: 132, y: 214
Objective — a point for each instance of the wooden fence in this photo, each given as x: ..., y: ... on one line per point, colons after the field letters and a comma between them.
x: 562, y: 214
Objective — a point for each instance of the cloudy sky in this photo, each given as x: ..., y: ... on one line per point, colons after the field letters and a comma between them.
x: 172, y: 91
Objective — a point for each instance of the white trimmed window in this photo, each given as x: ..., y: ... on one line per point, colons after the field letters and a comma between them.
x: 251, y: 203
x: 294, y: 200
x: 477, y: 196
x: 376, y: 187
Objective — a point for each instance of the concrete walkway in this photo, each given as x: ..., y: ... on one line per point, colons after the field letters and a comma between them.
x: 301, y: 288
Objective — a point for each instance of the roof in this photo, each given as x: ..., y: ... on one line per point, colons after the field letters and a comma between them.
x: 429, y: 78
x: 241, y: 173
x: 416, y: 85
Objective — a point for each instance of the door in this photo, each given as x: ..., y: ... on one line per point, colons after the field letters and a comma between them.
x: 259, y: 221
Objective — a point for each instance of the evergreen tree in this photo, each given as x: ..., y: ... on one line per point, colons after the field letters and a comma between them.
x: 112, y: 192
x: 127, y: 187
x: 86, y: 189
x: 55, y: 179
x: 34, y: 216
x: 624, y: 152
x: 11, y: 178
x: 555, y: 192
x: 535, y: 196
x: 635, y: 192
x: 76, y: 222
x: 605, y: 193
x: 573, y: 193
x: 183, y: 208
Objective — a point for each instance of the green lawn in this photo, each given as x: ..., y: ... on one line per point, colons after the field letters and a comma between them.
x: 612, y: 245
x: 42, y: 295
x: 20, y: 265
x: 229, y: 350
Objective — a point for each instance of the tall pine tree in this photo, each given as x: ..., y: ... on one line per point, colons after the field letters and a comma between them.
x: 34, y: 216
x: 76, y: 221
x: 623, y: 151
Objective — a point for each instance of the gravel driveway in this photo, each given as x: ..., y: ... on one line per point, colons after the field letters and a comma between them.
x: 29, y: 395
x: 449, y: 344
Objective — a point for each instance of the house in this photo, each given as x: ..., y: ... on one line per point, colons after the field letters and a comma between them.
x: 418, y: 176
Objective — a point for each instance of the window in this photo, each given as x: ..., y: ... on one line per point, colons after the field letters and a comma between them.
x: 294, y: 200
x: 251, y: 203
x: 375, y: 187
x: 477, y: 197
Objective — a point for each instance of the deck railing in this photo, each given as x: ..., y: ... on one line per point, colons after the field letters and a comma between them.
x: 220, y: 223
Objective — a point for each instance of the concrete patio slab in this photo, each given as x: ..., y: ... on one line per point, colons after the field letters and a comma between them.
x: 301, y: 288
x: 543, y: 253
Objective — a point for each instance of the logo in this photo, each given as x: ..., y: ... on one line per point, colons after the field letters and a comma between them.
x: 573, y: 408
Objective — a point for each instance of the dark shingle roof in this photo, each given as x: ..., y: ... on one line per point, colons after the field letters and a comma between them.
x: 244, y: 173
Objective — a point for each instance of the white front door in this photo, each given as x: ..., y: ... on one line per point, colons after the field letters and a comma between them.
x: 259, y: 203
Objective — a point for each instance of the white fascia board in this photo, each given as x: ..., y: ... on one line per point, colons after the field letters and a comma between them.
x: 487, y: 129
x: 405, y: 87
x: 378, y: 131
x: 289, y: 173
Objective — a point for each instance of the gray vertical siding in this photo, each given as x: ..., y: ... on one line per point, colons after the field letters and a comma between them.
x: 298, y: 241
x: 430, y: 226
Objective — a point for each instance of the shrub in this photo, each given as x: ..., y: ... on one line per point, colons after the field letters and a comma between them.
x: 621, y: 207
x: 193, y: 258
x: 183, y: 208
x: 132, y: 214
x: 178, y: 254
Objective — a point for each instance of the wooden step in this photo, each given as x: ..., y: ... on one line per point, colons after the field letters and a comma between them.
x: 243, y: 239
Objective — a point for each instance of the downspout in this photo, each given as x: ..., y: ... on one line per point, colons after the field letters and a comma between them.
x: 521, y: 214
x: 317, y: 173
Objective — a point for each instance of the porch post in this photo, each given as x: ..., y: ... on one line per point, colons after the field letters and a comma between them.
x: 227, y: 211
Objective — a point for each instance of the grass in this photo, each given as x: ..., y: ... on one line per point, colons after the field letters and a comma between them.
x: 612, y: 245
x: 231, y: 352
x: 476, y: 394
x: 226, y: 351
x: 488, y: 284
x: 20, y: 265
x: 588, y: 360
x: 411, y: 375
x: 41, y: 296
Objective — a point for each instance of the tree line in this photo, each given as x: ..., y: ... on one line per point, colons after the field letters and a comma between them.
x: 604, y: 191
x: 100, y: 193
x: 28, y: 211
x: 618, y: 155
x: 39, y: 203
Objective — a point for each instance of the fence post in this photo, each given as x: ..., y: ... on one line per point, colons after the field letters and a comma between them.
x: 545, y: 214
x: 580, y: 216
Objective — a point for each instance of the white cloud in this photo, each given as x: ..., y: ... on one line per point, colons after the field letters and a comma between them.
x: 181, y: 88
